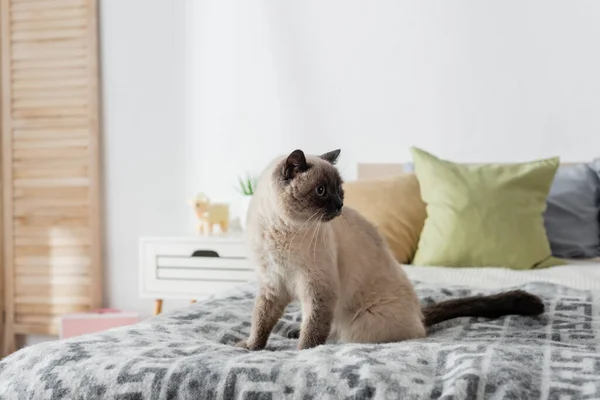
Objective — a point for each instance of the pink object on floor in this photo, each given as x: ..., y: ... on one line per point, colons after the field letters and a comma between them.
x: 94, y: 321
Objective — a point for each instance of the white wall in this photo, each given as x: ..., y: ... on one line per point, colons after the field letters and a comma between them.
x: 143, y: 66
x: 468, y: 80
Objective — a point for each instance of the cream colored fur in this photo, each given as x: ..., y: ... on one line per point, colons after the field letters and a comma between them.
x: 350, y: 286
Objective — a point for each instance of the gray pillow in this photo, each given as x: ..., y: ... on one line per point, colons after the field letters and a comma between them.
x: 572, y: 214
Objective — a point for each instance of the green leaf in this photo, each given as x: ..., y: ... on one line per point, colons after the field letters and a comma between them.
x: 247, y: 185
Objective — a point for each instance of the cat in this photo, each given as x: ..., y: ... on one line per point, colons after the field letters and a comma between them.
x: 307, y: 245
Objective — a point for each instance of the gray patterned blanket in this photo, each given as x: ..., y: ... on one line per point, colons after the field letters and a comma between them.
x: 188, y: 354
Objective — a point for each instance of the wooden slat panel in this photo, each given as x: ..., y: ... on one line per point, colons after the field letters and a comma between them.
x: 48, y: 309
x: 57, y: 46
x: 55, y: 109
x: 36, y: 329
x: 40, y: 154
x: 54, y: 65
x: 51, y: 222
x: 7, y: 339
x: 46, y: 54
x: 51, y: 270
x: 47, y: 73
x: 41, y: 36
x: 53, y: 122
x: 52, y: 143
x: 45, y: 94
x: 9, y: 342
x: 51, y: 261
x: 49, y: 24
x: 37, y: 172
x: 36, y: 319
x: 22, y: 5
x: 82, y: 239
x: 74, y: 300
x: 57, y: 183
x: 49, y: 13
x: 51, y: 163
x: 24, y: 104
x: 46, y: 194
x: 74, y: 280
x: 50, y: 290
x: 51, y: 160
x: 75, y: 82
x: 31, y: 206
x: 54, y: 280
x: 41, y: 211
x: 52, y: 233
x: 41, y: 134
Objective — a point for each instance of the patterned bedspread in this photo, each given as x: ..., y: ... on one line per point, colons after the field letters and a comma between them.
x: 188, y: 354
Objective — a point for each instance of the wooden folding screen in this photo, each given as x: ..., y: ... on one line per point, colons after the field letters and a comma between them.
x: 50, y: 163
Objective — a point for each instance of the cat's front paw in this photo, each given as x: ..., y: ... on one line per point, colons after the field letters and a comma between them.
x: 294, y: 333
x: 249, y: 345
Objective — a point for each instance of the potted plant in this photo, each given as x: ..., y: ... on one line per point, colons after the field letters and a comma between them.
x: 247, y: 188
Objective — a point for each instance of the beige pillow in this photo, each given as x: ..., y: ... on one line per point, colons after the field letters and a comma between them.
x: 394, y: 206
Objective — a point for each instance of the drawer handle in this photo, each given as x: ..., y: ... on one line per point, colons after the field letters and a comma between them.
x: 205, y: 253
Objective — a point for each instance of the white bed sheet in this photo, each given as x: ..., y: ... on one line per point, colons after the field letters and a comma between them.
x: 578, y: 274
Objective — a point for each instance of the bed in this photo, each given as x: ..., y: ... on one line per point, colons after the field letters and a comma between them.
x: 189, y: 353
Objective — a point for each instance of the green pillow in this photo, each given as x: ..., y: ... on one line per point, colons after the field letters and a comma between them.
x: 484, y: 215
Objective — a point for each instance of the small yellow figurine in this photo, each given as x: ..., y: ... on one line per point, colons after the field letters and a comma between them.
x: 210, y: 215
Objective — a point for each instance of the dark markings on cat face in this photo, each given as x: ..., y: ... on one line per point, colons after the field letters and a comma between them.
x: 294, y: 164
x: 311, y: 190
x: 331, y: 156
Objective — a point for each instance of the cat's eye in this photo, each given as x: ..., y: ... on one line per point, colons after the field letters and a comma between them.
x: 320, y: 190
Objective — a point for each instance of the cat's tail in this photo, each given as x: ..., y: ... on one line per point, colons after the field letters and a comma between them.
x: 514, y: 302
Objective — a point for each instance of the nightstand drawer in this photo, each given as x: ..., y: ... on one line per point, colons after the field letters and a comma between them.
x: 206, y: 274
x: 192, y: 268
x: 202, y: 262
x: 201, y: 249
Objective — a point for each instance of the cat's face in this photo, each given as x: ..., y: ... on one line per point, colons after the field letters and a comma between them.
x: 310, y: 189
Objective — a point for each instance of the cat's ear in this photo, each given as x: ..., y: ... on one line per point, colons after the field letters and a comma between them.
x: 294, y: 164
x: 331, y: 156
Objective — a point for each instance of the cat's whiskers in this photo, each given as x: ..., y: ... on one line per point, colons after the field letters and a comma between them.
x: 329, y: 250
x: 318, y: 230
x: 313, y: 235
x: 343, y: 220
x: 298, y: 230
x: 306, y: 231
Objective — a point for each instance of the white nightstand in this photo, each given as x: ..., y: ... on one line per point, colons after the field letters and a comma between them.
x: 191, y: 267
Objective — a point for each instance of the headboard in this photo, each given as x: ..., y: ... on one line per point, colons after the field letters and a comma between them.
x: 375, y: 170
